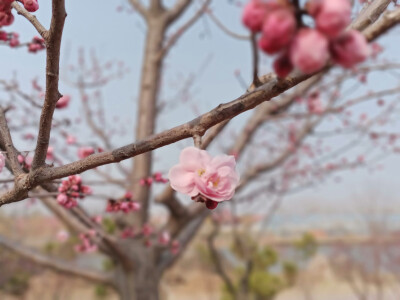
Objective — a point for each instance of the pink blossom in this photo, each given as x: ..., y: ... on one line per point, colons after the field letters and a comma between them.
x: 71, y: 139
x: 199, y: 173
x: 331, y: 17
x: 164, y: 238
x: 50, y: 153
x: 175, y: 247
x: 3, y: 36
x: 62, y: 236
x: 277, y: 31
x: 350, y: 49
x: 314, y: 104
x: 85, y: 152
x: 254, y: 14
x: 6, y: 18
x: 128, y: 233
x: 309, y: 51
x: 31, y: 5
x: 147, y: 230
x: 63, y: 102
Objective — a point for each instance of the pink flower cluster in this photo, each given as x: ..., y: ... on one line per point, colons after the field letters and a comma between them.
x: 36, y: 45
x: 6, y: 16
x: 126, y: 204
x: 70, y: 190
x: 283, y: 34
x: 204, y: 178
x: 85, y: 152
x: 11, y: 38
x: 25, y: 162
x: 157, y: 177
x: 86, y: 246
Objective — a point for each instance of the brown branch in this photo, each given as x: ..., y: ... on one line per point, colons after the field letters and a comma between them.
x: 177, y: 10
x: 138, y: 6
x: 186, y: 235
x: 219, y: 268
x: 8, y: 144
x: 53, y: 44
x: 58, y: 265
x: 31, y: 18
x: 255, y: 54
x: 225, y: 29
x: 175, y: 37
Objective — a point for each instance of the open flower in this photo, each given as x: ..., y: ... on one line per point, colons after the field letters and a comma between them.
x: 200, y: 174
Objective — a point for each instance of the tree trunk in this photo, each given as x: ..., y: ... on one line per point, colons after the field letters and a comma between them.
x: 146, y: 114
x: 141, y: 281
x: 140, y: 284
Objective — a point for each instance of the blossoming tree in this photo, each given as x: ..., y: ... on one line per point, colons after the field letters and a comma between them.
x: 304, y: 90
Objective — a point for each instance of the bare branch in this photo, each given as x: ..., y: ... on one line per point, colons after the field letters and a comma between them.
x: 174, y: 38
x: 219, y: 268
x: 226, y: 29
x: 58, y: 265
x: 138, y: 6
x: 52, y: 95
x: 6, y: 139
x: 175, y: 12
x: 31, y: 18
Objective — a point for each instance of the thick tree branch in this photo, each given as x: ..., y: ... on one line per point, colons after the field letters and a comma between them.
x: 58, y: 265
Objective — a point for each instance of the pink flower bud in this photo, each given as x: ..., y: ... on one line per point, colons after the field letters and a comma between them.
x: 331, y: 17
x: 62, y: 236
x: 71, y: 139
x: 3, y: 36
x: 6, y: 18
x: 63, y: 102
x: 31, y: 5
x: 278, y: 30
x: 309, y: 51
x: 350, y: 49
x: 254, y: 14
x: 283, y: 66
x: 85, y: 152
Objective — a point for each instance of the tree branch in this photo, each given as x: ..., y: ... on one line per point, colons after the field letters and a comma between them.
x: 31, y: 18
x: 177, y: 10
x: 139, y: 7
x: 58, y: 265
x: 53, y: 44
x: 174, y: 38
x: 6, y: 139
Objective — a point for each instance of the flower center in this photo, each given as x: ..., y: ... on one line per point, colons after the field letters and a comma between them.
x: 215, y: 182
x: 201, y: 172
